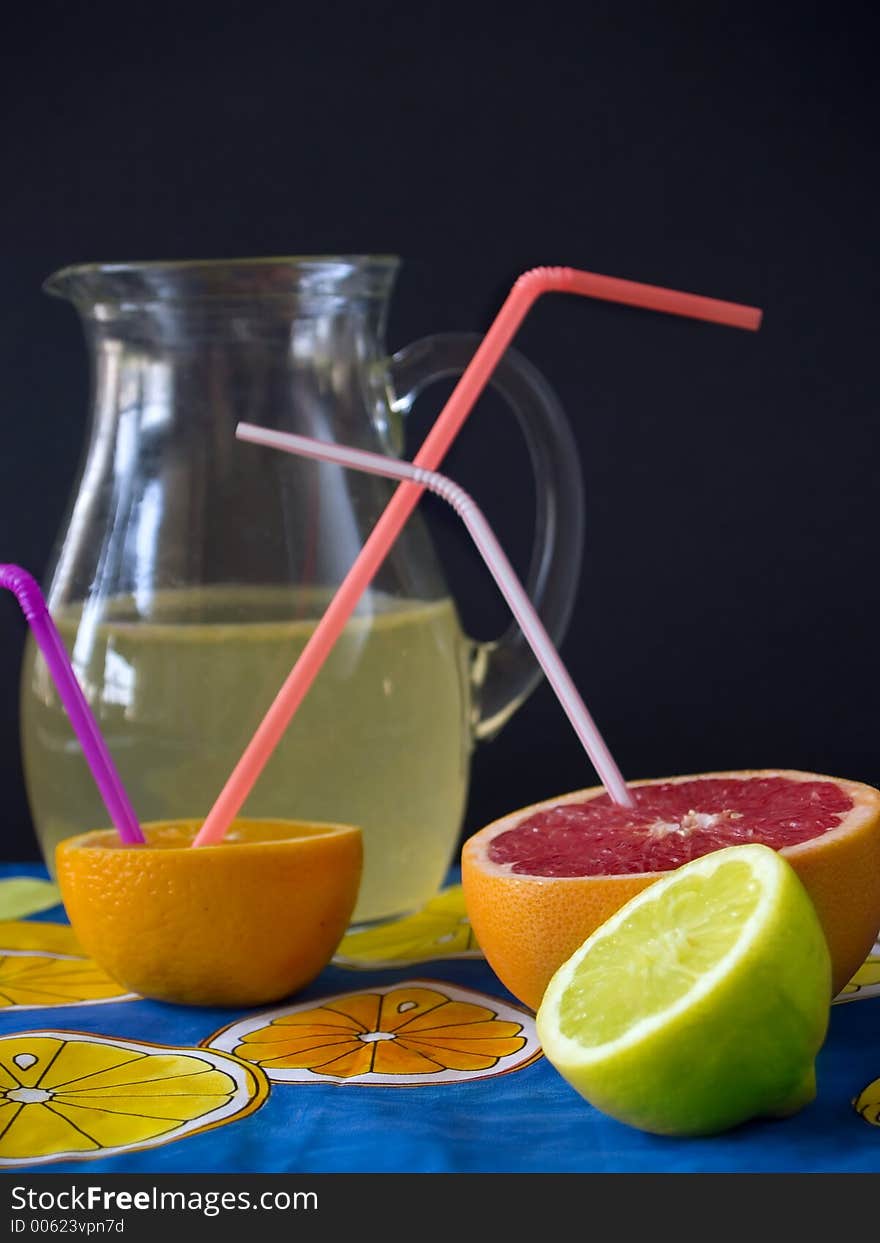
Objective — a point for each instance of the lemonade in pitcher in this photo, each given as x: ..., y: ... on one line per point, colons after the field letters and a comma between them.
x: 191, y: 569
x: 381, y: 741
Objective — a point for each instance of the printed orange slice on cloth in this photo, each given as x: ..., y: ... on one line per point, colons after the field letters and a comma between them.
x: 400, y: 1035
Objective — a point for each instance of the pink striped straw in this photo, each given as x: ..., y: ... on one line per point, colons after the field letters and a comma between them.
x: 97, y: 755
x: 525, y: 292
x: 499, y: 567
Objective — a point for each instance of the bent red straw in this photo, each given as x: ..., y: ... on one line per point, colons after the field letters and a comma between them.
x: 525, y: 292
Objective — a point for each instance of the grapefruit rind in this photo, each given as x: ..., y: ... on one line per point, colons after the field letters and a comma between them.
x: 528, y: 925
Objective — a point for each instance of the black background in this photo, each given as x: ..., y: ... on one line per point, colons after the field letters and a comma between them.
x: 728, y: 605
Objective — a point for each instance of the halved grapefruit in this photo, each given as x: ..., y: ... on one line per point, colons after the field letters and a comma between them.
x: 540, y: 880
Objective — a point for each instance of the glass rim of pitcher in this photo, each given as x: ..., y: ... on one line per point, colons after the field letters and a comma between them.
x: 168, y: 280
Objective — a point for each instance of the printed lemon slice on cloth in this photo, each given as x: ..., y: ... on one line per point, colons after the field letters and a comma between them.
x: 71, y: 1094
x: 441, y: 929
x: 701, y: 1003
x: 22, y: 934
x: 25, y: 895
x: 867, y: 1103
x: 43, y: 964
x: 866, y: 981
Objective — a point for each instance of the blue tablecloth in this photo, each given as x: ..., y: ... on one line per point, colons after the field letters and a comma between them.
x: 92, y: 1082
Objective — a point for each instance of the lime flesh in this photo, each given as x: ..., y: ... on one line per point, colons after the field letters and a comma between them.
x: 699, y: 1004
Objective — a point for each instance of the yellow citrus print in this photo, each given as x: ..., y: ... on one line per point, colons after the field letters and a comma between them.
x: 865, y: 982
x: 30, y: 981
x: 26, y: 895
x: 402, y: 1035
x: 23, y: 934
x: 74, y: 1095
x: 441, y: 929
x: 867, y: 1103
x: 43, y: 965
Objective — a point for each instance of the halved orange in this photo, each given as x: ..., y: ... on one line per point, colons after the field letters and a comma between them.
x: 248, y: 921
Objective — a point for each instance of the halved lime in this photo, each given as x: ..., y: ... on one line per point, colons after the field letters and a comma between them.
x: 701, y: 1003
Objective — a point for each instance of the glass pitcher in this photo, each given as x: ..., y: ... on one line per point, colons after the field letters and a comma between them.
x: 192, y: 568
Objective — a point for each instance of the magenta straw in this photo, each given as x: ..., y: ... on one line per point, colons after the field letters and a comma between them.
x: 498, y: 565
x: 27, y: 592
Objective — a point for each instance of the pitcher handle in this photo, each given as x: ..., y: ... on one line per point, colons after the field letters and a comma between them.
x: 509, y: 672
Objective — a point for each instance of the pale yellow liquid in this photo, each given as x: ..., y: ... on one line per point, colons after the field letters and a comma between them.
x: 382, y: 739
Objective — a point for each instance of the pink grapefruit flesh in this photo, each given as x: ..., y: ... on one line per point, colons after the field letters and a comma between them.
x: 672, y: 823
